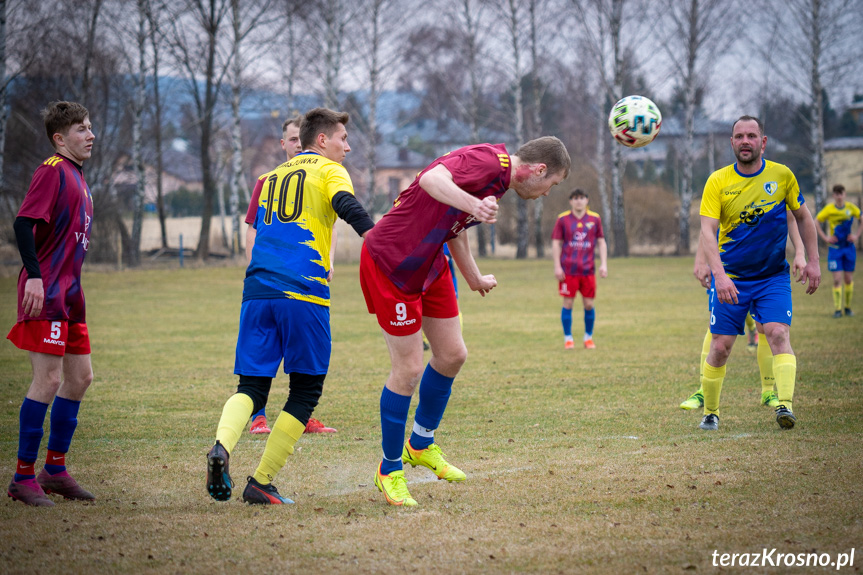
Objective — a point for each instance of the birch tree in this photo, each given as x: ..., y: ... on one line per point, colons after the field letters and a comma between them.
x: 381, y: 24
x: 242, y: 25
x: 511, y: 11
x: 696, y: 32
x: 829, y: 50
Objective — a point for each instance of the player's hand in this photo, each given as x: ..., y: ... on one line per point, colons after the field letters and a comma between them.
x: 852, y: 239
x: 330, y: 276
x: 558, y: 273
x: 702, y: 274
x: 603, y: 271
x: 832, y: 240
x: 484, y: 285
x: 812, y: 273
x: 34, y: 297
x: 797, y: 265
x: 486, y: 211
x: 726, y: 291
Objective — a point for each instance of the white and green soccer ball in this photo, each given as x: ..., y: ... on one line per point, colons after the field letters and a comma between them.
x: 634, y: 121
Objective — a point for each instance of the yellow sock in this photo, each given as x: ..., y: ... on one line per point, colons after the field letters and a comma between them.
x: 750, y: 323
x: 711, y: 382
x: 765, y: 365
x: 837, y: 298
x: 785, y: 371
x: 286, y: 432
x: 849, y: 293
x: 705, y: 349
x: 235, y: 415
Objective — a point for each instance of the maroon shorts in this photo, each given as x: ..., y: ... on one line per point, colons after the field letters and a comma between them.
x: 571, y: 285
x: 52, y: 337
x: 399, y: 313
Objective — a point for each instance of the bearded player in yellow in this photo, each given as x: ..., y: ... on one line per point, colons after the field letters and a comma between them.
x: 286, y: 301
x: 743, y: 235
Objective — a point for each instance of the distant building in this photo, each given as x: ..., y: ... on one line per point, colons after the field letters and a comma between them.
x: 843, y: 161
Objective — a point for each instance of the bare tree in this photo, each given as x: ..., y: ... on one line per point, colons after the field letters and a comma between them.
x: 605, y: 44
x: 377, y: 54
x: 697, y: 32
x: 137, y: 133
x: 195, y: 45
x: 511, y: 13
x: 157, y: 38
x: 13, y: 63
x: 243, y: 25
x: 536, y: 107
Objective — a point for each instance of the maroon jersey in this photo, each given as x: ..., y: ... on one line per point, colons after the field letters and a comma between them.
x: 579, y: 237
x: 60, y: 199
x: 407, y: 242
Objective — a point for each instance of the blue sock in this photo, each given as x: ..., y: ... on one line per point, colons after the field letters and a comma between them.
x: 566, y: 320
x: 64, y: 420
x: 394, y: 417
x: 435, y: 390
x: 263, y: 412
x: 589, y: 317
x: 30, y: 421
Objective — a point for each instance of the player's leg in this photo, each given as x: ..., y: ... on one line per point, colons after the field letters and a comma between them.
x: 726, y: 323
x: 567, y: 289
x: 47, y: 373
x: 696, y: 400
x: 765, y: 369
x: 303, y: 396
x: 77, y: 377
x: 448, y: 355
x: 407, y: 365
x: 850, y: 263
x: 258, y: 354
x: 834, y: 265
x: 774, y: 309
x: 587, y: 287
x: 752, y: 334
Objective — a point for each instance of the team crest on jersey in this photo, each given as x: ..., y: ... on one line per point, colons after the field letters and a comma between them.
x: 589, y: 225
x: 770, y: 188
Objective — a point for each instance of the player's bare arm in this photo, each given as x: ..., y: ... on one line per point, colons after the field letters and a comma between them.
x: 603, y: 257
x: 439, y: 184
x: 557, y: 250
x: 812, y: 270
x: 459, y: 247
x: 799, y: 261
x: 701, y: 270
x: 726, y: 291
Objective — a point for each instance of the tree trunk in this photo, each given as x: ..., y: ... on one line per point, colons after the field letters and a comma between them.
x: 137, y: 137
x: 236, y: 136
x: 621, y: 242
x: 522, y: 238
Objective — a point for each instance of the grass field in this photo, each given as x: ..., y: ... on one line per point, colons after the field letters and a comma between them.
x: 577, y: 461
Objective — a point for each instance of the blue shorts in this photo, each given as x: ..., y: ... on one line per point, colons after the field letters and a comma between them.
x: 769, y: 301
x: 275, y: 329
x: 710, y: 293
x: 842, y: 259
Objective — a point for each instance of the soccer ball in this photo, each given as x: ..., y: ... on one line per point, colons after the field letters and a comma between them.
x: 634, y: 121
